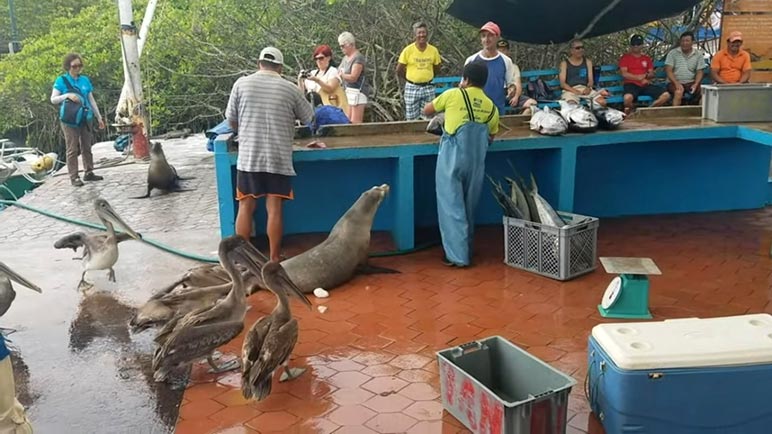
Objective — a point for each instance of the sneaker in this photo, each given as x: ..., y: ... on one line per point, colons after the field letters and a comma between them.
x: 89, y: 176
x: 76, y: 182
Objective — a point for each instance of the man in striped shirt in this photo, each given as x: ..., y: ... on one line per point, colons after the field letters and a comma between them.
x: 685, y: 68
x: 262, y: 109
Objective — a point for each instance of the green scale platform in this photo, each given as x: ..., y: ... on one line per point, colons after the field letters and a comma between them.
x: 627, y: 296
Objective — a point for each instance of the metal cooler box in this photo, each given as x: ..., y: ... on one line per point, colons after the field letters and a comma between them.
x: 494, y: 387
x: 683, y: 376
x: 737, y: 103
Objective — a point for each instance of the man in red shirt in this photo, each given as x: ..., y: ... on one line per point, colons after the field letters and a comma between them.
x: 637, y: 71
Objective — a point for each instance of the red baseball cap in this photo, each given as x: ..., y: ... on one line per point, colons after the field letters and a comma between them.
x: 322, y: 51
x: 492, y: 27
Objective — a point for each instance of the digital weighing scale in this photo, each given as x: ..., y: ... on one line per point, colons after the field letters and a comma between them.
x: 627, y: 296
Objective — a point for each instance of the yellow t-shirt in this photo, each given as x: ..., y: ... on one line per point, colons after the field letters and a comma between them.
x: 420, y: 64
x: 452, y: 103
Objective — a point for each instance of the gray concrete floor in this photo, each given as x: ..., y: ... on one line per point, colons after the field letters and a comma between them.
x: 78, y: 367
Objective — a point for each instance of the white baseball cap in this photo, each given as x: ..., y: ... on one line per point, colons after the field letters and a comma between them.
x: 273, y: 55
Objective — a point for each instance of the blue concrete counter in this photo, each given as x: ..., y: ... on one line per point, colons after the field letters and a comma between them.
x: 648, y: 167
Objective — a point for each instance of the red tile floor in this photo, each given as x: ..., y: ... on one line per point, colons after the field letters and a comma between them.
x: 371, y: 355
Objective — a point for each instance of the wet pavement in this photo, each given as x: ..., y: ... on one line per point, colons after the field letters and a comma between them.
x: 78, y: 367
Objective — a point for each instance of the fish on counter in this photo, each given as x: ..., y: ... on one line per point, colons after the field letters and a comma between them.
x: 435, y: 124
x: 547, y: 122
x: 608, y: 118
x: 578, y: 117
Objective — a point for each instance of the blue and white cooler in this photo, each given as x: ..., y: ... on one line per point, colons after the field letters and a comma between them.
x: 683, y: 376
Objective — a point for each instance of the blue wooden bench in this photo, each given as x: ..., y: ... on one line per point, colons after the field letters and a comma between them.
x: 441, y: 84
x: 609, y: 78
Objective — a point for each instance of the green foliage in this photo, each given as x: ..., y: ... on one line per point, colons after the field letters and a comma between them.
x: 26, y: 78
x: 33, y: 18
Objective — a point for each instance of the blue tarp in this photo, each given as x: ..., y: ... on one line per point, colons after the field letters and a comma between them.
x: 700, y: 34
x: 324, y: 115
x: 558, y: 21
x: 212, y: 133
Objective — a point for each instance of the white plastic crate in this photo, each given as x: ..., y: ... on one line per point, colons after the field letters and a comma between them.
x: 559, y: 253
x: 750, y: 102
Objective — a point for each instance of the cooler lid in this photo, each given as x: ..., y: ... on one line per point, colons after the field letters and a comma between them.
x: 688, y: 342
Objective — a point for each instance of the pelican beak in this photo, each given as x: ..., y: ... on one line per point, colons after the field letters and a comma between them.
x: 254, y: 254
x: 289, y: 287
x: 18, y: 279
x: 108, y: 213
x: 249, y: 257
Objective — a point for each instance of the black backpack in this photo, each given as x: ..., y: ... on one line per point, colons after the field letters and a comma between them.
x: 537, y: 90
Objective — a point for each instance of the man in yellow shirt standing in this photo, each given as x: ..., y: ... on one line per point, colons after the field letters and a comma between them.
x: 417, y: 65
x: 732, y: 64
x: 471, y: 121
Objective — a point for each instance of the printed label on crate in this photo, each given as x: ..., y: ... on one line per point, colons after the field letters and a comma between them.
x: 476, y: 408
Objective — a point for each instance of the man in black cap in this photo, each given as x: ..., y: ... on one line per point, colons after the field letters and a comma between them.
x: 503, y: 47
x: 637, y: 70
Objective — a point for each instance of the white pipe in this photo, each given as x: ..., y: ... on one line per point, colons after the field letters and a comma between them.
x: 149, y: 12
x: 122, y: 109
x: 131, y: 67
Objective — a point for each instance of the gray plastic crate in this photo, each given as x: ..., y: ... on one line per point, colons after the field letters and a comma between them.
x: 737, y: 102
x: 559, y: 253
x: 493, y: 386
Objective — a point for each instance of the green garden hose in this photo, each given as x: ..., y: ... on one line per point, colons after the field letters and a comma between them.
x: 174, y: 251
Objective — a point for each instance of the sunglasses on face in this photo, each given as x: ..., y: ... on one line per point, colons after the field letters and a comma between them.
x: 76, y: 65
x: 579, y: 48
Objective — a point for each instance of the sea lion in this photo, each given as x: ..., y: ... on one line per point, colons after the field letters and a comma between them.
x: 161, y: 175
x: 345, y: 251
x: 329, y: 264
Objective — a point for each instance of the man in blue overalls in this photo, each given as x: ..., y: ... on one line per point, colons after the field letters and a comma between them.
x: 471, y: 121
x: 12, y: 417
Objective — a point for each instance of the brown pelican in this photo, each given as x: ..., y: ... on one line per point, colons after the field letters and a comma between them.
x: 100, y: 251
x: 7, y: 293
x: 199, y: 287
x: 271, y: 339
x: 197, y: 334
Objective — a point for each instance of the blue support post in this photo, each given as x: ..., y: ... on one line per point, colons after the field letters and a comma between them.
x: 567, y: 178
x: 226, y: 195
x: 403, y: 192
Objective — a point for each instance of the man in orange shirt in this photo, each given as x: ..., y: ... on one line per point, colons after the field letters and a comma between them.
x: 731, y: 65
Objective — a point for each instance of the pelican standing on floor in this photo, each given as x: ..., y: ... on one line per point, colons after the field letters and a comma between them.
x: 100, y: 251
x: 199, y: 333
x: 272, y: 338
x: 199, y: 287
